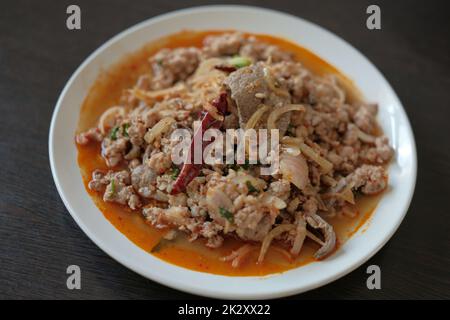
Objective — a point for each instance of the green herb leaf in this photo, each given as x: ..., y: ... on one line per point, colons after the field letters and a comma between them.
x: 174, y: 173
x: 240, y: 62
x: 226, y: 214
x: 125, y: 127
x: 250, y: 187
x: 113, y: 187
x: 113, y: 134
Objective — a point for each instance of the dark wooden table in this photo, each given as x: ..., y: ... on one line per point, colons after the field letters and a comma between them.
x: 38, y: 237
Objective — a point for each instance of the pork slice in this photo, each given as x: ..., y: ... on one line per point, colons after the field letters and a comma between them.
x: 249, y: 89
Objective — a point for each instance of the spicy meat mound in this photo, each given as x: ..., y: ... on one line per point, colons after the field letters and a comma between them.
x: 332, y: 148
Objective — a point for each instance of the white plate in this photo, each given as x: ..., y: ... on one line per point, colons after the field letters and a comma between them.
x: 367, y: 78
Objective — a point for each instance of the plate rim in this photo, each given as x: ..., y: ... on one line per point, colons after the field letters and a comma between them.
x: 195, y: 289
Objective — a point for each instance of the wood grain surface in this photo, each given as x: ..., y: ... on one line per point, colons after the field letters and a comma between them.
x: 38, y: 237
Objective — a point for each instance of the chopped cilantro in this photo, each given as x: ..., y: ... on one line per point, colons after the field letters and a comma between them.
x: 226, y: 214
x: 113, y: 134
x: 240, y: 62
x: 113, y: 187
x: 125, y: 127
x: 174, y: 173
x: 250, y: 187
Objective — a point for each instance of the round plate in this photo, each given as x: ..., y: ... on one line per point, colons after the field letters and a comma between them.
x: 357, y: 250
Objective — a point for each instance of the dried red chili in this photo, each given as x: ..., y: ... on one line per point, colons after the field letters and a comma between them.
x: 191, y: 170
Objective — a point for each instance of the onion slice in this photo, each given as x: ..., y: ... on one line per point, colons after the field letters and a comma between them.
x: 239, y: 255
x: 150, y: 97
x: 283, y: 252
x: 109, y: 118
x: 326, y: 165
x: 345, y: 194
x: 277, y: 112
x: 299, y: 237
x: 270, y: 236
x: 256, y: 116
x: 158, y: 129
x: 365, y: 137
x: 290, y: 142
x: 271, y: 84
x: 295, y: 170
